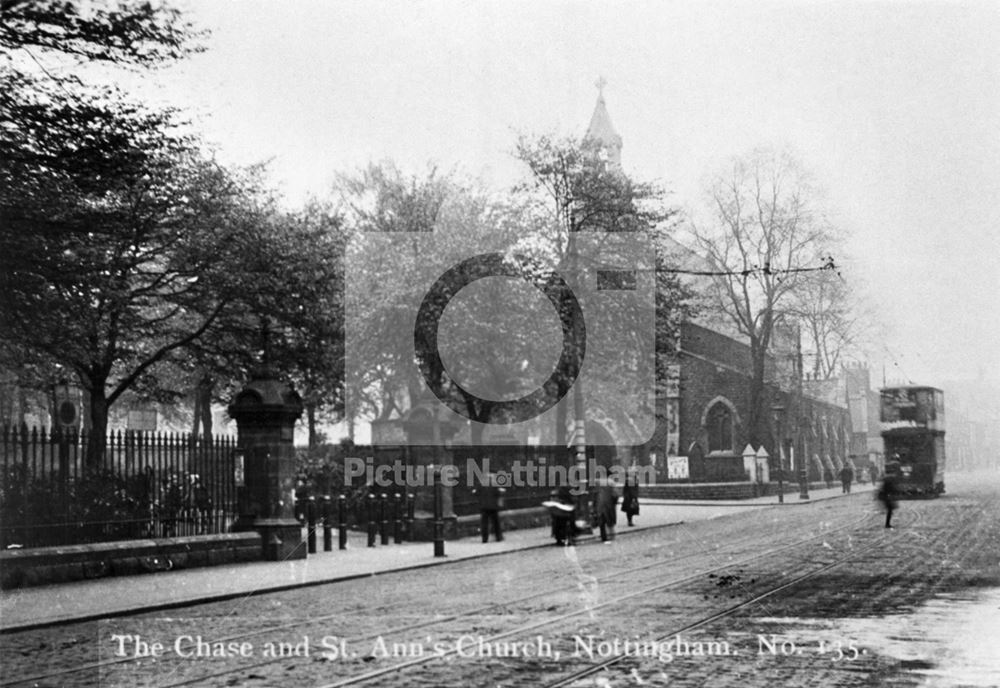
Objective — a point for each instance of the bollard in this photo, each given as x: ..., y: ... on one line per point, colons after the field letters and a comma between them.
x: 383, y: 515
x: 327, y: 525
x: 397, y: 519
x: 311, y: 524
x: 438, y: 514
x: 411, y: 502
x: 372, y: 525
x: 342, y: 522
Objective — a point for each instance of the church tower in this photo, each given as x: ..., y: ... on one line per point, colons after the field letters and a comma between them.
x: 602, y: 132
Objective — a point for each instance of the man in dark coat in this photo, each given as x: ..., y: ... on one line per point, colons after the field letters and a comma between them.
x: 490, y: 503
x: 846, y: 476
x: 887, y: 493
x: 607, y: 499
x: 630, y: 495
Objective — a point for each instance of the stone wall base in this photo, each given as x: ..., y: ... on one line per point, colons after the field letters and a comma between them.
x: 720, y: 491
x: 44, y: 565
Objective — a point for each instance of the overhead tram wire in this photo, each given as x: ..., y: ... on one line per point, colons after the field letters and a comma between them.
x: 828, y: 264
x: 895, y: 362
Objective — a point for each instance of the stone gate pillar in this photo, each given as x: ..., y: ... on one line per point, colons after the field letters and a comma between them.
x: 265, y: 412
x: 427, y: 434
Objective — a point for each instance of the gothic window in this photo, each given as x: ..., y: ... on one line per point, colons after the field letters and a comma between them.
x: 720, y: 428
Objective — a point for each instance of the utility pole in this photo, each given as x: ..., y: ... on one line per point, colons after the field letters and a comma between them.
x: 579, y: 412
x: 797, y: 447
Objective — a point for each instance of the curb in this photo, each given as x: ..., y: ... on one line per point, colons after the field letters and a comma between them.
x: 207, y: 599
x: 789, y: 501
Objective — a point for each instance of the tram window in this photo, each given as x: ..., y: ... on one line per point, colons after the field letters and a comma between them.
x: 925, y: 405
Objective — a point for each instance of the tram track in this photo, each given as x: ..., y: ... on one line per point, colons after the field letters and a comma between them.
x: 551, y: 620
x: 642, y: 595
x: 110, y: 664
x: 798, y: 667
x: 583, y: 673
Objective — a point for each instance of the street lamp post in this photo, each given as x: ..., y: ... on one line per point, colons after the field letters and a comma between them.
x: 779, y: 425
x: 797, y: 446
x: 579, y: 412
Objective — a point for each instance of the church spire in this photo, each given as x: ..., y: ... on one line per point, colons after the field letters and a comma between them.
x: 601, y: 131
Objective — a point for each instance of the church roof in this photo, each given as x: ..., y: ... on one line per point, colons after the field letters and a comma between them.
x: 601, y: 129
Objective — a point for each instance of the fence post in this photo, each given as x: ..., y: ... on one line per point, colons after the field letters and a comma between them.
x: 438, y: 513
x: 311, y: 524
x: 411, y: 504
x: 63, y: 439
x: 25, y: 484
x: 342, y: 522
x: 397, y: 519
x: 327, y: 525
x: 383, y: 519
x: 372, y: 525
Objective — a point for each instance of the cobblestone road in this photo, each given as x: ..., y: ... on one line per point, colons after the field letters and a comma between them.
x: 913, y: 606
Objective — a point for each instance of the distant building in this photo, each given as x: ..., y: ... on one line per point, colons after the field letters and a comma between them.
x: 703, y: 435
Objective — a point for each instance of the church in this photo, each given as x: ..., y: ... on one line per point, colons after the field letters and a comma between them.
x: 702, y: 434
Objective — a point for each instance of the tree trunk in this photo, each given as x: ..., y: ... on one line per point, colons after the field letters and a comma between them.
x: 755, y: 423
x: 98, y: 437
x: 22, y: 402
x: 205, y: 389
x: 311, y: 422
x: 195, y: 414
x: 203, y: 407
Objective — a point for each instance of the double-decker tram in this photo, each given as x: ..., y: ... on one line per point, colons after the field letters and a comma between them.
x: 912, y: 420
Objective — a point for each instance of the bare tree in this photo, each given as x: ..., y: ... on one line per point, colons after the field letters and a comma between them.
x: 764, y: 238
x: 837, y: 325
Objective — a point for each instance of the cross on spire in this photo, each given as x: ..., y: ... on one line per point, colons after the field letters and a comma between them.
x: 601, y: 83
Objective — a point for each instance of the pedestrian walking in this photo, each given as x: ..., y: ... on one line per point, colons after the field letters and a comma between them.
x: 490, y: 503
x: 846, y: 477
x: 887, y: 494
x: 607, y: 500
x: 630, y: 494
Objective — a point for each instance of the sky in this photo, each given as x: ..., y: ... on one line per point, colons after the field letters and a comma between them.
x: 894, y: 108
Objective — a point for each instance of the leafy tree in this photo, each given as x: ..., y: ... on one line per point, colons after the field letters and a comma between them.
x: 74, y: 160
x: 378, y: 201
x: 140, y: 247
x: 286, y: 273
x: 112, y: 225
x: 404, y: 230
x: 586, y: 193
x: 583, y: 193
x: 764, y: 238
x: 134, y: 34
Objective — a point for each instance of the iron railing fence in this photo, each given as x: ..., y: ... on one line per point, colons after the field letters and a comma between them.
x: 143, y: 485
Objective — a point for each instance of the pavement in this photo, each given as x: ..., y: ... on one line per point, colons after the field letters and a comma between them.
x: 87, y: 600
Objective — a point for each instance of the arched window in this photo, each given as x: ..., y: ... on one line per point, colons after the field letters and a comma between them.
x: 720, y: 428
